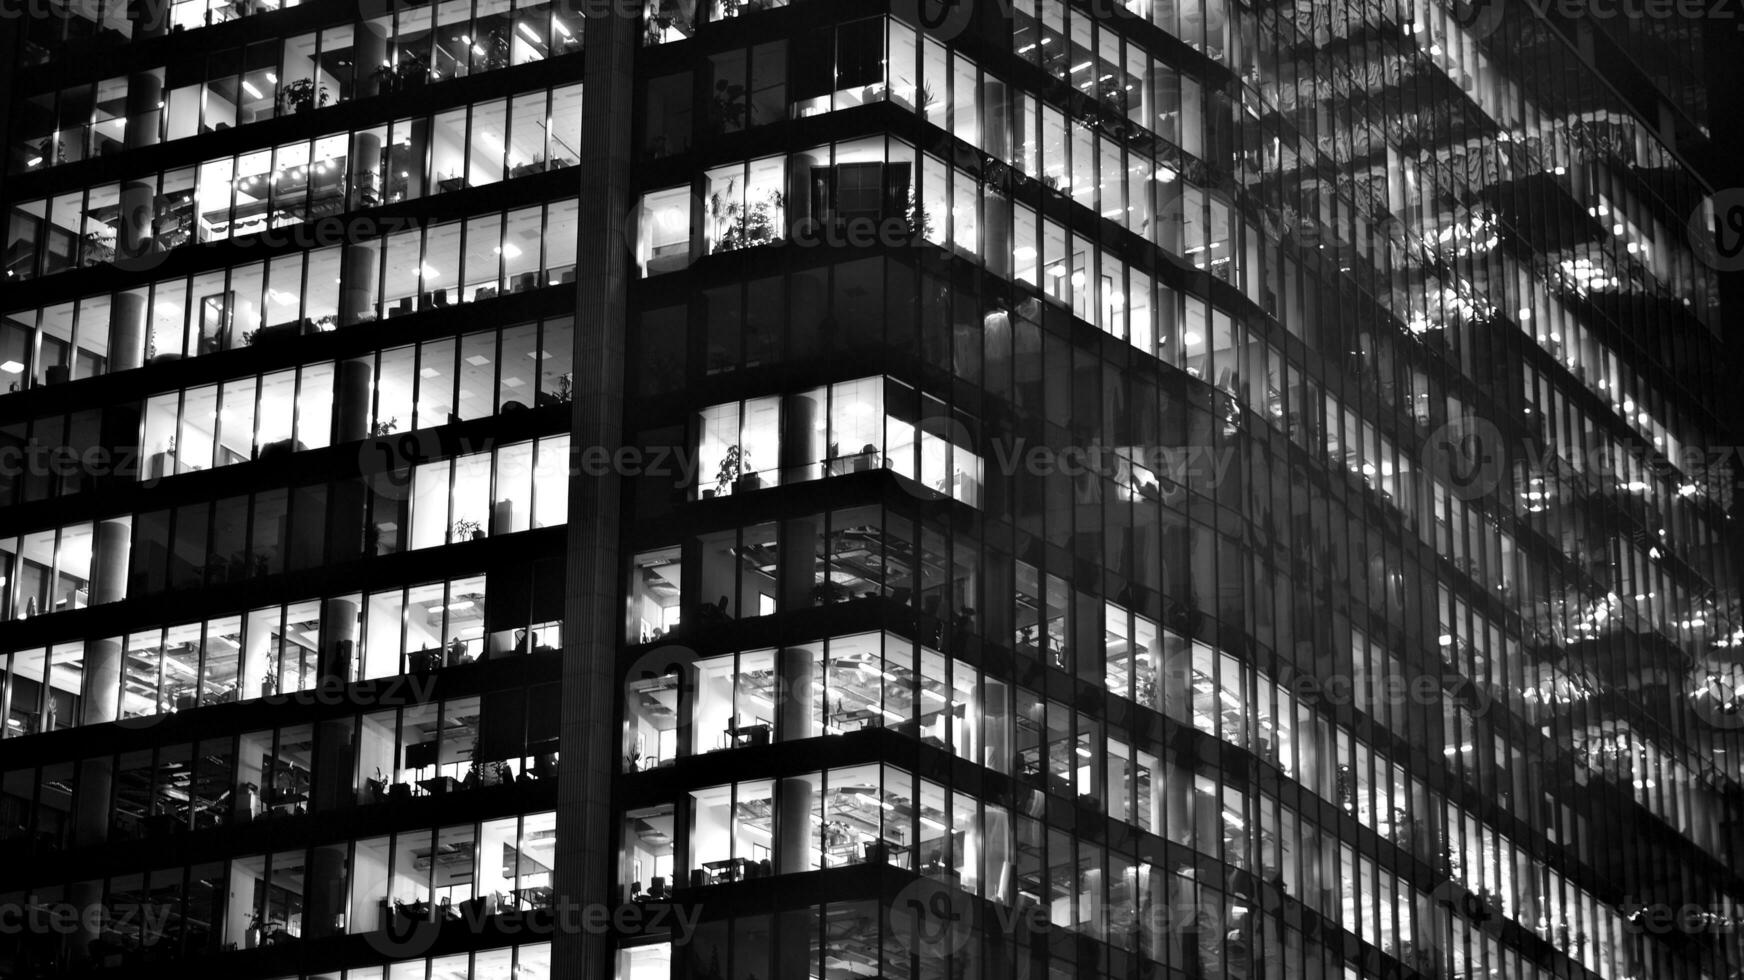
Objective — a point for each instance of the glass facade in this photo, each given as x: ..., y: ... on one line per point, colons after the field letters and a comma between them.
x: 1148, y: 489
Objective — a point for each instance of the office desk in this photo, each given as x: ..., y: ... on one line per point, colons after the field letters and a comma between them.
x: 728, y: 869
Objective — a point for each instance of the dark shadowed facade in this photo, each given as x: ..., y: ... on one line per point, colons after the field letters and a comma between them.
x: 785, y: 489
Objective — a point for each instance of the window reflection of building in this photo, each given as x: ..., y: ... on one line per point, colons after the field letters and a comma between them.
x: 843, y: 684
x: 849, y: 427
x: 840, y: 817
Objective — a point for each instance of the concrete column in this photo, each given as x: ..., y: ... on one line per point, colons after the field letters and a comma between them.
x: 369, y: 52
x: 799, y: 714
x: 367, y: 180
x: 324, y: 893
x: 969, y: 730
x: 802, y: 440
x: 144, y: 110
x: 798, y: 562
x: 127, y: 331
x: 111, y: 549
x: 83, y: 895
x: 1207, y: 819
x: 593, y: 580
x: 136, y: 225
x: 118, y: 434
x: 793, y: 826
x: 351, y: 401
x: 1175, y: 678
x: 101, y: 700
x: 102, y: 695
x: 348, y: 501
x: 347, y: 513
x: 360, y: 284
x: 334, y: 785
x: 1177, y: 803
x: 335, y: 773
x: 998, y: 847
x: 1155, y: 920
x: 688, y: 679
x: 799, y: 193
x: 793, y: 959
x: 91, y: 801
x: 996, y: 722
x: 256, y: 638
x: 339, y: 629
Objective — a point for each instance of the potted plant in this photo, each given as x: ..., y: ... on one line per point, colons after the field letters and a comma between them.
x: 730, y: 110
x: 303, y: 95
x: 920, y: 223
x: 497, y: 49
x: 738, y: 225
x: 384, y: 427
x: 467, y: 529
x: 50, y: 152
x: 387, y: 78
x: 732, y: 471
x: 825, y: 593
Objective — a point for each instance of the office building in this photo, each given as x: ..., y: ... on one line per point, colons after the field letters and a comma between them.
x: 864, y: 489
